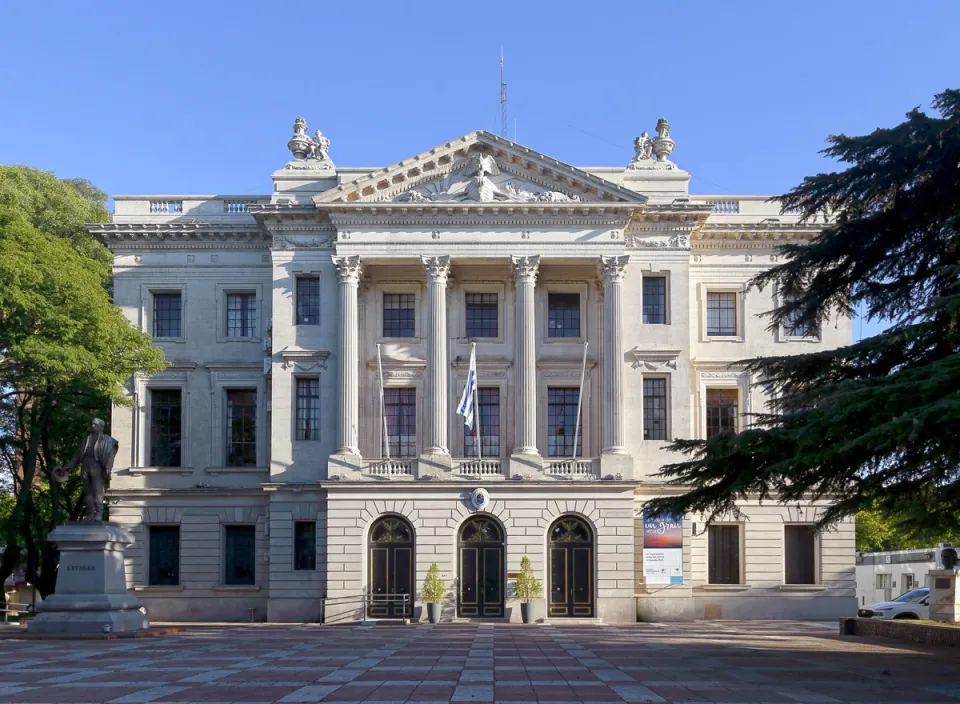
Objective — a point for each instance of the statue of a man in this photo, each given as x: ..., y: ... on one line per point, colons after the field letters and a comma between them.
x: 95, y: 457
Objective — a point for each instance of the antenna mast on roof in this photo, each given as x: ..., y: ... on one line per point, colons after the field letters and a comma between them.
x: 503, y: 100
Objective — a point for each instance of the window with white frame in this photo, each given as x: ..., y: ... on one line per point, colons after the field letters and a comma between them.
x: 241, y: 315
x: 563, y: 315
x: 166, y: 415
x: 400, y: 405
x: 308, y: 408
x: 722, y: 411
x: 308, y: 300
x: 167, y: 314
x: 793, y: 327
x: 489, y: 425
x: 722, y: 314
x: 399, y: 315
x: 562, y: 423
x: 655, y: 408
x: 481, y: 312
x: 654, y: 300
x: 241, y: 427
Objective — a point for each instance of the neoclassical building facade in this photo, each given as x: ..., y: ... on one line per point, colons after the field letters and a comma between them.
x: 301, y: 457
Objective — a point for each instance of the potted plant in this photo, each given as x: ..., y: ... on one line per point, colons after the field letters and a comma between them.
x: 528, y: 588
x: 434, y: 592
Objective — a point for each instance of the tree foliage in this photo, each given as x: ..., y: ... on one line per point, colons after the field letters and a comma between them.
x: 877, y: 531
x: 65, y: 352
x: 871, y: 425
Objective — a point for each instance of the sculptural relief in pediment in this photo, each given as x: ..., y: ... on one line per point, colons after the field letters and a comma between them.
x: 479, y: 179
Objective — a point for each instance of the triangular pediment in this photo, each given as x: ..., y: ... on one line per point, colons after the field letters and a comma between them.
x: 480, y: 168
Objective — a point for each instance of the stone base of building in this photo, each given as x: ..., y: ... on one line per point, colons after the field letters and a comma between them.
x: 91, y: 595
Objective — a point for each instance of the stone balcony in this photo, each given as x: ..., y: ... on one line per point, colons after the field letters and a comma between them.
x: 408, y: 469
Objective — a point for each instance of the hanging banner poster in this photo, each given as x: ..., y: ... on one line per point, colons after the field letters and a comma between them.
x: 663, y: 549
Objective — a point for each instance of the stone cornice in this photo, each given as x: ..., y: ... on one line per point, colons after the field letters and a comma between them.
x: 180, y: 235
x: 478, y: 215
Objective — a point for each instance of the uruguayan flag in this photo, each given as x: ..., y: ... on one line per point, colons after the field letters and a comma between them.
x: 465, y: 408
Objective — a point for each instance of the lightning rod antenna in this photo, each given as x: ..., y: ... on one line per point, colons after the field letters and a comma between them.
x: 503, y: 100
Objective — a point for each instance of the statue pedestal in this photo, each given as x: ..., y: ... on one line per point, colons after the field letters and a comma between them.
x: 91, y: 595
x: 944, y: 596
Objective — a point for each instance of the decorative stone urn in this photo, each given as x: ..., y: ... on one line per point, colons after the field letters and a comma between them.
x: 91, y: 594
x: 300, y: 144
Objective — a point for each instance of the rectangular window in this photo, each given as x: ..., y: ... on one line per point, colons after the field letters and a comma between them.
x: 883, y: 581
x: 724, y: 559
x: 792, y: 327
x: 241, y: 428
x: 721, y: 411
x: 654, y: 300
x: 241, y: 315
x: 654, y: 409
x: 489, y: 402
x: 721, y: 314
x: 401, y: 410
x: 399, y: 315
x: 909, y: 582
x: 241, y: 552
x: 166, y: 315
x: 562, y: 422
x: 164, y: 556
x: 308, y: 409
x: 482, y: 315
x: 308, y: 300
x: 799, y: 554
x: 305, y: 545
x: 563, y: 315
x: 165, y: 427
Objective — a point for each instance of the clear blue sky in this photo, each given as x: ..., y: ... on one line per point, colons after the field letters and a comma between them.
x: 200, y: 97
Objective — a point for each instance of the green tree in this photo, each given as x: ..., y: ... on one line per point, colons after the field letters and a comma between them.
x: 65, y: 350
x: 871, y: 425
x: 877, y: 531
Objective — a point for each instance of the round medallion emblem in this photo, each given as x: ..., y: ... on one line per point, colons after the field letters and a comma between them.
x: 480, y: 499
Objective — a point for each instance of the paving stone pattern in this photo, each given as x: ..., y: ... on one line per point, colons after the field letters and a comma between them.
x: 699, y: 662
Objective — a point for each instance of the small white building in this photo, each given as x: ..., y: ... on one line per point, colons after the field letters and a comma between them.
x: 264, y: 470
x: 882, y: 576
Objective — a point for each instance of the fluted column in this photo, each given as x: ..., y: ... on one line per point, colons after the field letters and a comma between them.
x: 437, y: 269
x: 612, y: 271
x: 525, y: 276
x: 348, y: 355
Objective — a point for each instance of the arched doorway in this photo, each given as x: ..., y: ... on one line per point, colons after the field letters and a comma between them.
x: 481, y: 569
x: 571, y: 568
x: 390, y: 548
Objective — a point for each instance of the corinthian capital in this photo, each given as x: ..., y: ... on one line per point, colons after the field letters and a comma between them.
x: 348, y: 268
x: 525, y: 268
x: 613, y: 268
x: 436, y: 268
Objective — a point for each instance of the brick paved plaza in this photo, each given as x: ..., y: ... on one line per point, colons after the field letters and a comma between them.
x: 699, y: 662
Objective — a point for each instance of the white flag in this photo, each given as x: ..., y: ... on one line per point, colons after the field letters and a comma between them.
x: 465, y: 408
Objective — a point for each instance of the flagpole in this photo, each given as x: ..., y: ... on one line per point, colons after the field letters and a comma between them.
x: 476, y: 403
x: 576, y: 427
x: 383, y: 407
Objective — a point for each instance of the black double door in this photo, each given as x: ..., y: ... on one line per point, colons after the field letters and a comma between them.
x: 391, y: 569
x: 571, y: 569
x: 481, y: 569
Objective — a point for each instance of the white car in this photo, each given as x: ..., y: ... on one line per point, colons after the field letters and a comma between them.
x: 913, y: 604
